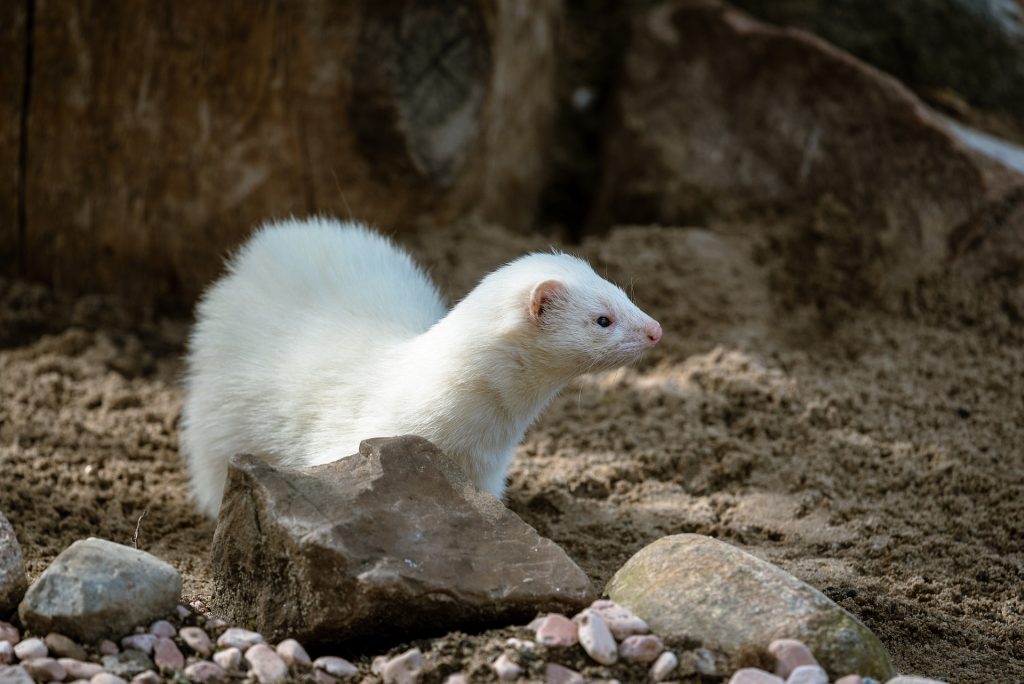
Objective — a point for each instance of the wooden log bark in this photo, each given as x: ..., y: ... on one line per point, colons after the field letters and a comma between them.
x: 13, y: 37
x: 162, y: 132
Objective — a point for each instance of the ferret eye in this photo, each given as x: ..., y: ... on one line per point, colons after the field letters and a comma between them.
x: 604, y: 321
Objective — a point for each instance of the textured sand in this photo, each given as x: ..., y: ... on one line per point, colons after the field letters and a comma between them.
x: 876, y: 455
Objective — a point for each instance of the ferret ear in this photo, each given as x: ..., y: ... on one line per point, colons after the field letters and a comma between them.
x: 543, y: 295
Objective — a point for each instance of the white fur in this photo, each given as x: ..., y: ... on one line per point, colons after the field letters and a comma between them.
x: 324, y: 334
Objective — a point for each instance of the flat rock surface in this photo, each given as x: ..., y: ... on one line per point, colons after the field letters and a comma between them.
x: 96, y: 588
x: 689, y: 586
x: 411, y: 547
x: 12, y: 568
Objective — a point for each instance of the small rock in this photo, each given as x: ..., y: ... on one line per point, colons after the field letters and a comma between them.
x: 293, y: 654
x: 457, y: 678
x: 377, y: 665
x: 596, y: 638
x: 108, y: 647
x: 535, y: 623
x: 45, y: 669
x: 196, y: 639
x: 506, y: 670
x: 12, y: 568
x: 808, y: 674
x: 229, y: 659
x: 162, y: 628
x: 790, y: 654
x: 205, y: 671
x: 910, y: 679
x: 63, y: 647
x: 147, y: 677
x: 15, y: 674
x: 663, y: 666
x: 705, y: 663
x: 182, y: 612
x: 751, y: 675
x: 621, y: 621
x: 96, y: 588
x: 404, y: 668
x: 106, y: 678
x: 641, y: 648
x: 31, y: 648
x: 127, y: 663
x: 9, y: 633
x: 6, y: 653
x: 559, y: 674
x: 242, y: 639
x: 140, y: 642
x: 321, y: 677
x: 334, y: 666
x: 850, y: 679
x: 520, y: 644
x: 167, y: 656
x: 78, y: 669
x: 557, y: 630
x: 265, y: 664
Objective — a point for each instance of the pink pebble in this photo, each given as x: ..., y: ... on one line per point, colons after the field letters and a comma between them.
x: 108, y: 647
x: 641, y: 648
x: 559, y: 674
x: 321, y: 677
x: 205, y: 671
x: 808, y: 674
x: 106, y: 678
x: 265, y: 664
x: 167, y: 656
x: 596, y: 638
x: 45, y: 669
x: 147, y: 677
x: 140, y: 642
x: 557, y: 630
x: 6, y: 653
x: 197, y: 640
x: 751, y: 675
x: 293, y: 653
x: 31, y: 648
x: 457, y: 678
x: 9, y: 632
x: 215, y: 624
x: 850, y: 679
x: 789, y: 655
x: 404, y: 668
x: 506, y: 670
x: 666, y: 663
x: 336, y: 667
x: 76, y: 669
x: 162, y: 628
x: 239, y: 638
x: 230, y: 659
x: 621, y: 621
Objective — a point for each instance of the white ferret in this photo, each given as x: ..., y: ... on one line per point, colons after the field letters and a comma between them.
x: 324, y: 333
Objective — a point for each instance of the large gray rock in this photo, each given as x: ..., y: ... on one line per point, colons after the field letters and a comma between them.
x: 12, y: 569
x: 96, y: 589
x: 392, y: 541
x: 689, y: 586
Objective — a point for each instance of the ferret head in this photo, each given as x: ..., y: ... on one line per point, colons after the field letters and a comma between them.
x: 574, y: 319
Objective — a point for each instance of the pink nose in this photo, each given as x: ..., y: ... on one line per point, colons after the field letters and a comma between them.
x: 653, y: 332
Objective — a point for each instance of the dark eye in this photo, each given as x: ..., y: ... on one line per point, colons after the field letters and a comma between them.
x: 604, y: 321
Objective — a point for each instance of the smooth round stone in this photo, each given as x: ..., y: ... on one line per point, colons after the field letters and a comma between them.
x: 641, y: 648
x: 147, y: 677
x: 230, y: 659
x: 457, y: 678
x: 596, y: 638
x: 45, y: 669
x: 215, y: 624
x: 752, y: 675
x: 196, y: 639
x: 182, y: 612
x: 265, y: 664
x: 242, y: 639
x: 162, y: 628
x: 404, y: 668
x: 336, y: 667
x: 63, y: 647
x: 15, y: 674
x: 790, y: 654
x: 167, y: 656
x: 559, y: 674
x: 808, y: 674
x: 6, y: 653
x: 520, y: 644
x: 205, y: 671
x: 9, y: 633
x: 321, y: 677
x: 557, y: 630
x: 621, y: 621
x: 293, y: 653
x: 106, y: 678
x: 31, y: 648
x: 664, y: 666
x: 108, y: 647
x: 78, y: 669
x: 139, y: 642
x: 506, y: 670
x: 850, y: 679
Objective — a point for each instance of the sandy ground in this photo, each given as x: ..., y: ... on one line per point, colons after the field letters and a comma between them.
x: 877, y: 455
